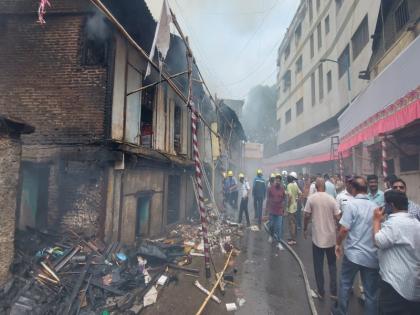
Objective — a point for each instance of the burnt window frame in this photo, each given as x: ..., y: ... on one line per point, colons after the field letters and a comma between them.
x: 85, y: 46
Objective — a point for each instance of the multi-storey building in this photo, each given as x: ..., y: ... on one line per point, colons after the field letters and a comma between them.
x: 326, y: 46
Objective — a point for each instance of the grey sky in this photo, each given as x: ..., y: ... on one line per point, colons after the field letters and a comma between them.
x: 234, y: 41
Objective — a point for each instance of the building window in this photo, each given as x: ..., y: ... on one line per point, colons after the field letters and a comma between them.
x: 94, y: 51
x: 313, y: 88
x: 321, y: 82
x: 311, y: 10
x: 288, y: 116
x: 338, y: 4
x: 299, y: 107
x: 287, y: 52
x: 319, y: 30
x: 287, y: 80
x: 343, y: 62
x: 409, y: 163
x: 299, y: 64
x: 311, y: 44
x: 177, y: 129
x: 360, y: 37
x: 327, y: 24
x: 329, y: 81
x: 318, y: 5
x: 401, y: 16
x: 298, y: 33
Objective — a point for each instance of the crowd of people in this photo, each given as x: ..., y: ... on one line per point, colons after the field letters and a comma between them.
x: 375, y: 235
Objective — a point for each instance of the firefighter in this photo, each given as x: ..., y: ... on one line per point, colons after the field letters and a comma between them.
x: 230, y: 188
x: 259, y: 189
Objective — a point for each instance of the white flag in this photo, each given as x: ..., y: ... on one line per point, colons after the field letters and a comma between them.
x: 162, y: 35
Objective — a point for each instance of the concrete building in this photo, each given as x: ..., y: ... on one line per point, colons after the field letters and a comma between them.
x: 313, y: 92
x: 383, y: 125
x: 102, y: 161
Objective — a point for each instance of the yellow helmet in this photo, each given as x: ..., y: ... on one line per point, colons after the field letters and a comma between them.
x: 273, y: 175
x: 241, y: 175
x: 259, y: 172
x: 278, y: 175
x: 230, y: 173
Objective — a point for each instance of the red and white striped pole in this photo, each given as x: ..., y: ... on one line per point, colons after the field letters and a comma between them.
x: 341, y: 166
x: 199, y: 176
x: 384, y: 158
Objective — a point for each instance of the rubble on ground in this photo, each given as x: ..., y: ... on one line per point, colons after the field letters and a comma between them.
x: 67, y: 273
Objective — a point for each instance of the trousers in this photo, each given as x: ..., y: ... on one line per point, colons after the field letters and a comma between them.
x: 318, y: 260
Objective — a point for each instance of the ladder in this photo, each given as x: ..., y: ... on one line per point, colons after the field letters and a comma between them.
x: 335, y: 156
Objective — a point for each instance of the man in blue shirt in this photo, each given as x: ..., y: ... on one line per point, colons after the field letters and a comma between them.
x: 360, y: 253
x: 375, y: 195
x: 330, y: 187
x: 259, y: 189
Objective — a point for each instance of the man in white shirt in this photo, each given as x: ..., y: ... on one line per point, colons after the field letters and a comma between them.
x: 345, y: 196
x: 323, y: 211
x: 398, y: 241
x: 244, y: 189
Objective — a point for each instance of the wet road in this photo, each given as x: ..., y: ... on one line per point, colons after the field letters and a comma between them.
x: 270, y: 280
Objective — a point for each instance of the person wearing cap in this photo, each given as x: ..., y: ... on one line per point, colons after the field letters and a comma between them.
x: 231, y: 190
x: 244, y: 189
x: 375, y: 195
x: 293, y: 192
x: 258, y: 193
x: 276, y: 201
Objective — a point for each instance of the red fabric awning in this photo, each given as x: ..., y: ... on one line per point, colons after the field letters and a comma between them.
x: 395, y: 116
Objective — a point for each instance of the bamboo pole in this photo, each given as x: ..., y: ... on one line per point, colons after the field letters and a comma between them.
x: 219, y: 278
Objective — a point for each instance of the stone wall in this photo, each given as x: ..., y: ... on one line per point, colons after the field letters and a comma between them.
x: 10, y: 152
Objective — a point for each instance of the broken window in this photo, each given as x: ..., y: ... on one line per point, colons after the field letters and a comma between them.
x: 143, y: 215
x: 94, y: 48
x: 33, y: 203
x: 173, y: 200
x: 178, y: 129
x: 146, y: 129
x: 133, y: 106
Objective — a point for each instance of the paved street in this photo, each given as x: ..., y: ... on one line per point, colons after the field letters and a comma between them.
x: 270, y: 279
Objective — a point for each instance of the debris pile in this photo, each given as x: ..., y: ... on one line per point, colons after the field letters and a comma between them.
x: 69, y: 274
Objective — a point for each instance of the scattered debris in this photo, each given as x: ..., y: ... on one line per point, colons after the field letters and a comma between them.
x: 204, y: 290
x: 150, y: 297
x: 230, y: 307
